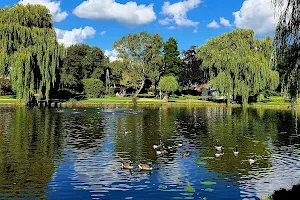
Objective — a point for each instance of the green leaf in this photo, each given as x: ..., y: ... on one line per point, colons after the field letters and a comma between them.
x: 209, y: 189
x: 189, y: 189
x: 201, y: 163
x: 163, y: 187
x: 208, y: 183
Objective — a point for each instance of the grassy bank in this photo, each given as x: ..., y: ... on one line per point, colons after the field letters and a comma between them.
x: 9, y: 100
x: 140, y: 101
x: 272, y: 102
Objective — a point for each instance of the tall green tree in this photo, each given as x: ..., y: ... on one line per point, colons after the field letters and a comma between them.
x: 238, y: 64
x: 29, y: 52
x: 287, y: 44
x: 171, y: 57
x: 82, y: 62
x: 191, y: 70
x: 168, y: 84
x: 139, y: 59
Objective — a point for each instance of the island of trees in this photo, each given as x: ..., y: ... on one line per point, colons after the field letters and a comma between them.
x: 235, y: 65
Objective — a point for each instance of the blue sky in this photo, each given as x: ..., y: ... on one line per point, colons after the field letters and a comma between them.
x: 191, y: 22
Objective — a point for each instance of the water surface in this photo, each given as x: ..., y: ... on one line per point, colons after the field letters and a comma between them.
x: 77, y: 153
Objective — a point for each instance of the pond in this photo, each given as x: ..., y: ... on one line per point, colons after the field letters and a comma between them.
x: 78, y: 153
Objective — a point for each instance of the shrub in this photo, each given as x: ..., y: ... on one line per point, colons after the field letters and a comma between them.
x: 93, y: 87
x: 168, y: 84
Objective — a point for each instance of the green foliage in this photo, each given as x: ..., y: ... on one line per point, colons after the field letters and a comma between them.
x: 238, y: 64
x: 168, y: 84
x: 139, y: 58
x: 82, y: 61
x: 171, y: 57
x: 287, y: 44
x: 208, y: 183
x: 29, y: 51
x: 189, y: 189
x: 93, y: 87
x: 191, y: 70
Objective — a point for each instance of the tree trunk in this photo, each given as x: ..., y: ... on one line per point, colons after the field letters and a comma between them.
x: 228, y: 99
x: 166, y: 98
x: 139, y: 90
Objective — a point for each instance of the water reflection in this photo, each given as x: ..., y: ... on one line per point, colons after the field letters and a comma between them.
x: 78, y: 153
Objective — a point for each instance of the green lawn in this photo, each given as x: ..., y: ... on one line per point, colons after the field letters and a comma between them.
x: 274, y: 101
x: 9, y: 99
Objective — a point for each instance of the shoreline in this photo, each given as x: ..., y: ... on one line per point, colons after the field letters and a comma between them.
x: 150, y: 102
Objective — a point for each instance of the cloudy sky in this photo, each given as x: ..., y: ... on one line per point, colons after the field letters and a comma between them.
x: 191, y: 22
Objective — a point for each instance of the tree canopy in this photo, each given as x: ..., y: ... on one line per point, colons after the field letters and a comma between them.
x: 287, y: 44
x: 168, y: 84
x: 82, y: 62
x: 191, y: 70
x: 171, y: 57
x: 139, y: 58
x: 238, y: 64
x: 29, y: 52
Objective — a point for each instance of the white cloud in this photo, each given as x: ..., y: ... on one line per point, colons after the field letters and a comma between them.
x: 258, y: 15
x: 112, y: 55
x: 225, y: 22
x: 129, y: 14
x: 102, y: 33
x: 172, y: 27
x: 177, y: 12
x: 74, y: 36
x: 53, y: 5
x: 165, y: 21
x: 213, y: 24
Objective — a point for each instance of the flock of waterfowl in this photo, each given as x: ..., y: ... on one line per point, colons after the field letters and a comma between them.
x: 161, y: 150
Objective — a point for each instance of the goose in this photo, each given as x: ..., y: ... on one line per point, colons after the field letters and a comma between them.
x: 219, y: 153
x: 170, y: 147
x: 251, y: 159
x: 218, y: 147
x: 144, y: 167
x: 157, y: 146
x: 127, y: 165
x: 236, y: 152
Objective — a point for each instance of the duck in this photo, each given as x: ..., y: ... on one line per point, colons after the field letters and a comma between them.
x: 251, y: 159
x: 170, y: 147
x: 127, y: 165
x: 219, y: 153
x: 157, y: 146
x: 144, y: 167
x: 236, y: 152
x: 185, y: 154
x: 218, y: 147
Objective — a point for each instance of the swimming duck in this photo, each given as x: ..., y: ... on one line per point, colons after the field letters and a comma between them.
x: 127, y: 165
x: 185, y: 154
x: 180, y: 145
x: 236, y: 152
x: 144, y: 167
x: 251, y: 159
x: 219, y: 153
x: 218, y: 147
x: 157, y: 146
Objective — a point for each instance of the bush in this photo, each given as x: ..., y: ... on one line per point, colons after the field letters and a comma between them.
x: 93, y: 87
x: 168, y: 84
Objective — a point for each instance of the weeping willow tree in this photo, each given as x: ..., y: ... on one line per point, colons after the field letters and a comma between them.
x: 287, y: 44
x: 29, y: 52
x: 239, y: 64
